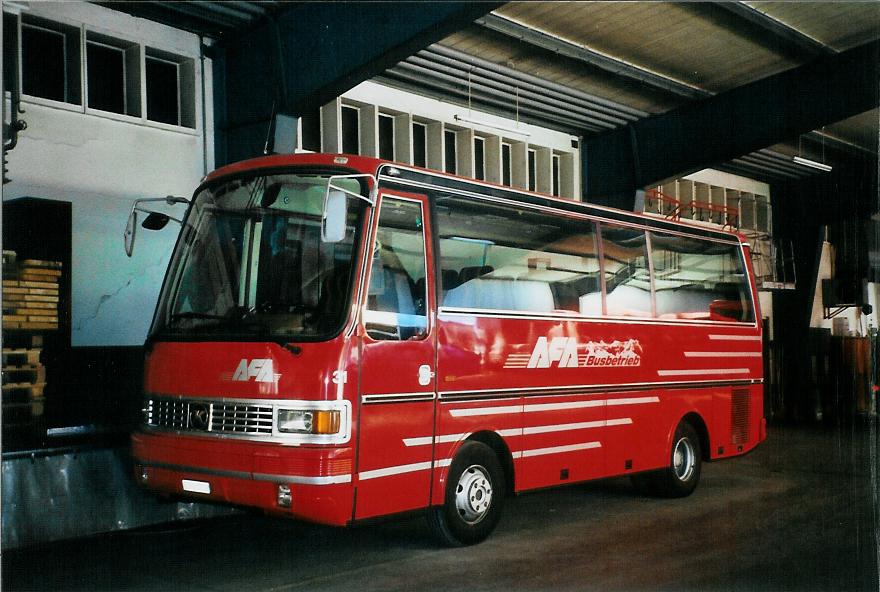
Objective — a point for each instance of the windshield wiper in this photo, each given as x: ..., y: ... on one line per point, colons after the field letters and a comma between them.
x: 237, y: 317
x: 197, y: 315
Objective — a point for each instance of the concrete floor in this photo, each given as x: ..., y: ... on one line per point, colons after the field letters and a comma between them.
x: 800, y: 513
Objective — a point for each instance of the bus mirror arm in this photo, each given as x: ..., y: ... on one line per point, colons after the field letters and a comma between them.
x: 153, y: 221
x: 334, y: 217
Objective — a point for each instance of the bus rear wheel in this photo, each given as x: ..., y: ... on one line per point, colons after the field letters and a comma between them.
x: 681, y: 476
x: 473, y: 498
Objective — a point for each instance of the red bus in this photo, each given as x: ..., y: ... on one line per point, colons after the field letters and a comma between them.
x: 340, y: 338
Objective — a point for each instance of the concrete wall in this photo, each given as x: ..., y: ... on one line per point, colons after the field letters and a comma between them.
x: 101, y: 162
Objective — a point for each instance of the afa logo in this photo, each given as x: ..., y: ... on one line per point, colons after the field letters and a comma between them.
x: 260, y: 369
x: 566, y: 352
x: 563, y: 350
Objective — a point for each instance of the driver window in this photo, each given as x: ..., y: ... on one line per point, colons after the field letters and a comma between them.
x: 397, y: 297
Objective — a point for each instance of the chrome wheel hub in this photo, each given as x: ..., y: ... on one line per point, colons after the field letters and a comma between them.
x: 683, y: 459
x: 473, y: 494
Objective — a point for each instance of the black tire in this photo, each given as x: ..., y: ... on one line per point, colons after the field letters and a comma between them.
x: 473, y: 499
x: 682, y: 476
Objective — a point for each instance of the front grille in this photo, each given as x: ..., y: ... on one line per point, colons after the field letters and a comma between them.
x: 208, y: 416
x: 241, y: 419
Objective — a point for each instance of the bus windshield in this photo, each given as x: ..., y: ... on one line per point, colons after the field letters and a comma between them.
x: 251, y: 264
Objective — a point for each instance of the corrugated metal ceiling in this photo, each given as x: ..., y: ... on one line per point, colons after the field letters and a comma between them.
x: 705, y: 46
x: 611, y: 61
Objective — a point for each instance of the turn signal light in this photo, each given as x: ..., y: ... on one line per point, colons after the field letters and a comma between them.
x: 325, y: 422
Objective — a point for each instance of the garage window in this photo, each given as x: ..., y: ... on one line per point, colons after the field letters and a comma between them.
x: 420, y: 144
x: 113, y: 75
x: 449, y: 147
x: 479, y: 158
x: 50, y: 60
x: 170, y: 88
x: 351, y: 130
x: 386, y: 136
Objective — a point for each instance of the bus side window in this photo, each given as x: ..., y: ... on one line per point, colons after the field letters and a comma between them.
x: 627, y: 277
x: 397, y: 296
x: 699, y: 279
x: 504, y: 257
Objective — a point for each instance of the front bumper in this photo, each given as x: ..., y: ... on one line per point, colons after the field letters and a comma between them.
x: 247, y: 473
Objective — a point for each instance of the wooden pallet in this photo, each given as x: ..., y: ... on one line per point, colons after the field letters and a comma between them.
x: 32, y: 374
x: 21, y: 356
x: 24, y: 412
x: 14, y: 392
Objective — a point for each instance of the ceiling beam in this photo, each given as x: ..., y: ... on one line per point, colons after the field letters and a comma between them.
x: 801, y: 43
x: 588, y: 56
x: 728, y: 125
x: 311, y: 52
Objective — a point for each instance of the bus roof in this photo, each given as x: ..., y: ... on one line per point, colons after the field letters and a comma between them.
x: 410, y: 176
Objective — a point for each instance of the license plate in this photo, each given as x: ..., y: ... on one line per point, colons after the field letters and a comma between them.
x: 196, y: 486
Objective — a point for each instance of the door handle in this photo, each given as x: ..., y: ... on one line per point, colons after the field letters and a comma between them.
x: 425, y: 375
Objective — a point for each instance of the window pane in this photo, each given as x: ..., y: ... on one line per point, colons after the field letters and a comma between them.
x: 556, y: 175
x: 419, y: 137
x: 397, y: 297
x: 479, y: 159
x: 351, y: 138
x: 627, y: 279
x: 106, y: 78
x: 386, y: 137
x: 43, y: 63
x: 533, y: 170
x: 699, y: 279
x: 449, y: 147
x: 506, y: 258
x: 10, y: 45
x: 163, y: 91
x: 311, y: 131
x: 505, y: 164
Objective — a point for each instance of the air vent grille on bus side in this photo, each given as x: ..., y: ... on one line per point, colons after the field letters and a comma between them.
x: 740, y: 416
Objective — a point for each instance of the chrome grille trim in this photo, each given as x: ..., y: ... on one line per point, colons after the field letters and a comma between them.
x: 252, y: 420
x: 223, y: 417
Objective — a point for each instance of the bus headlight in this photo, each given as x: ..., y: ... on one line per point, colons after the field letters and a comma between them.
x: 308, y: 421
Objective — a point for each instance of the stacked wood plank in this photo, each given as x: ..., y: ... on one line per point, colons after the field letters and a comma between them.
x: 30, y: 293
x: 30, y: 308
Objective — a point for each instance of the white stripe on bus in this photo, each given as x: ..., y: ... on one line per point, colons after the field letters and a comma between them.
x: 735, y: 337
x: 633, y: 401
x: 538, y: 407
x: 398, y: 470
x: 511, y: 432
x: 425, y: 440
x: 445, y: 462
x: 728, y: 354
x: 702, y: 371
x: 583, y: 425
x: 560, y: 449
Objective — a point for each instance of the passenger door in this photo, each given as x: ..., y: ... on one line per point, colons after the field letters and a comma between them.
x: 397, y: 384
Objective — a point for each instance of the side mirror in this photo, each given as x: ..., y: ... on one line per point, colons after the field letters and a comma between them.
x: 334, y: 220
x: 155, y: 221
x: 130, y: 231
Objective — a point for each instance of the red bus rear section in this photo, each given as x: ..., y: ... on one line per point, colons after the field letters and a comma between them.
x: 451, y: 343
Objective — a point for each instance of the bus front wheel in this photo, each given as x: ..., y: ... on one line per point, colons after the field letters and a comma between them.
x: 473, y: 499
x: 681, y: 476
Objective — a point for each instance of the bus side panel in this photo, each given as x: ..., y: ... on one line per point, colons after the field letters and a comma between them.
x: 564, y: 439
x: 599, y: 398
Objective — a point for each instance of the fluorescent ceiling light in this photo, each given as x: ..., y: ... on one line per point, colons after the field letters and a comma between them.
x: 502, y: 128
x: 812, y: 163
